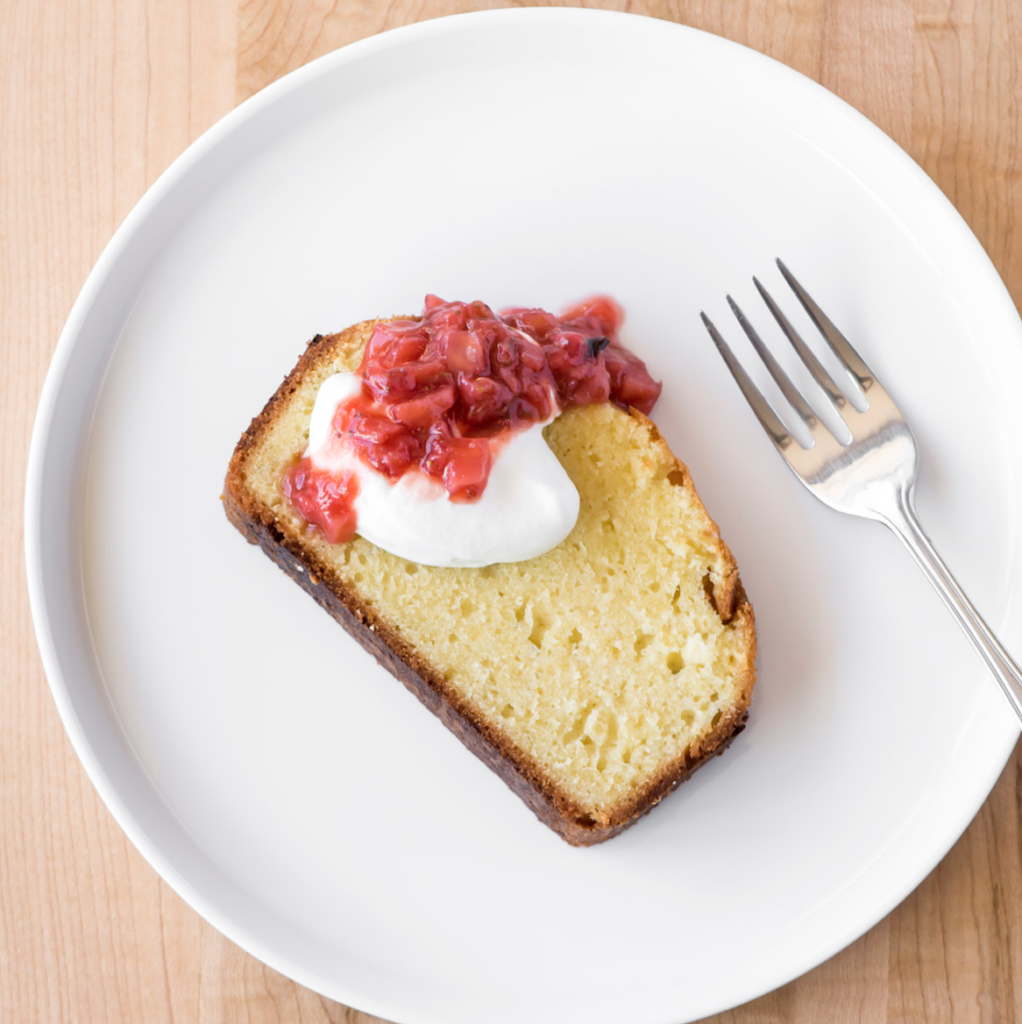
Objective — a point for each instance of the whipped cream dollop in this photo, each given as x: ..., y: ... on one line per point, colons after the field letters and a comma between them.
x: 528, y: 507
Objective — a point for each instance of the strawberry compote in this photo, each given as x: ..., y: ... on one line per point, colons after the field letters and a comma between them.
x: 439, y: 395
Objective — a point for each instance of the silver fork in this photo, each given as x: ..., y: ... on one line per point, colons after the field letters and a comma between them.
x: 874, y: 475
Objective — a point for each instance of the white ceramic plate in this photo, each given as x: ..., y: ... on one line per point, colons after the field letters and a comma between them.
x: 293, y: 792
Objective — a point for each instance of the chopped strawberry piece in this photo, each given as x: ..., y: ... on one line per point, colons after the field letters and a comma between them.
x: 402, y: 348
x: 630, y: 382
x: 538, y: 396
x: 463, y: 463
x: 602, y: 309
x: 373, y: 430
x: 324, y: 500
x: 467, y: 352
x: 422, y: 411
x: 484, y: 399
x: 536, y: 322
x: 403, y: 381
x: 396, y: 457
x: 593, y: 388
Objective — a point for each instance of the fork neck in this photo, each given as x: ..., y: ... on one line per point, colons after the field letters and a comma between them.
x: 899, y: 514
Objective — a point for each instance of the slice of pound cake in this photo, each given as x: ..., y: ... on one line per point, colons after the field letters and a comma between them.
x: 594, y: 677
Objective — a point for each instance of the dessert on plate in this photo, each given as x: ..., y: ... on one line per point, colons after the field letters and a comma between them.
x: 481, y: 500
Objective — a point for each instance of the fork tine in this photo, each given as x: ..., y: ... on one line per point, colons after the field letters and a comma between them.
x: 760, y: 406
x: 788, y: 389
x: 850, y: 359
x: 820, y: 375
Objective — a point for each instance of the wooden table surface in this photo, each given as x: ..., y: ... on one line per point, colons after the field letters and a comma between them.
x: 96, y: 98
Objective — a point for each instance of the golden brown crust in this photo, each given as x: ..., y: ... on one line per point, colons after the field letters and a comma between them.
x: 383, y: 641
x: 726, y: 594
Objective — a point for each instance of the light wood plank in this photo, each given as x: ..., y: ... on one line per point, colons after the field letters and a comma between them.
x: 96, y: 99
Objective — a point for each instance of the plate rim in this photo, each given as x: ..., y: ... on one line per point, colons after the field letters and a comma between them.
x: 40, y: 443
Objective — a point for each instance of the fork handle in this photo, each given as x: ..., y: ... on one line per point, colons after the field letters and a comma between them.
x: 902, y: 519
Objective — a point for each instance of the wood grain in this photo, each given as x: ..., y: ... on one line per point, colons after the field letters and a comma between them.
x: 96, y: 98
